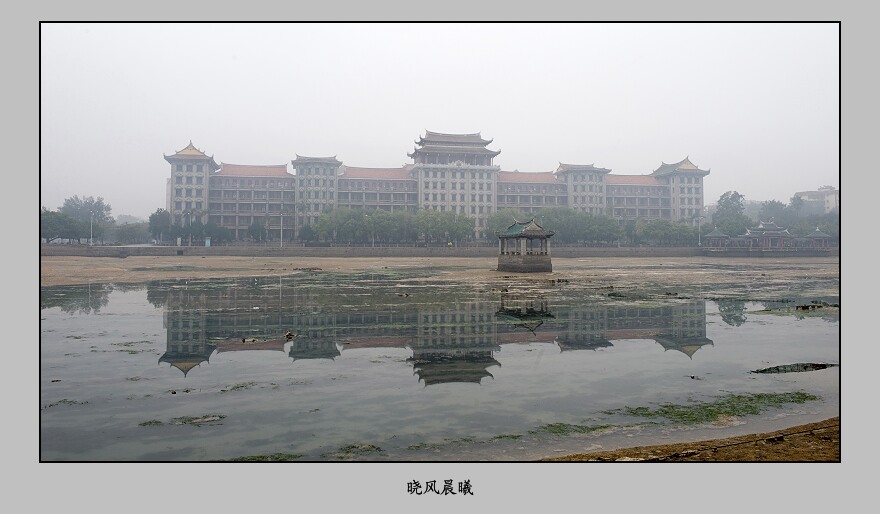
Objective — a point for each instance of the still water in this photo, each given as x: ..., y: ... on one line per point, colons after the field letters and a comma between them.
x: 387, y: 367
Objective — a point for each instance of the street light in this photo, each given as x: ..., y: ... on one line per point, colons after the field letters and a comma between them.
x: 91, y: 222
x: 699, y: 230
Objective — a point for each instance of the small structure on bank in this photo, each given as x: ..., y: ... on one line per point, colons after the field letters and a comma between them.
x: 767, y: 238
x: 525, y: 248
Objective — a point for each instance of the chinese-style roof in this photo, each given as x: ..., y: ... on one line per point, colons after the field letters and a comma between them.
x: 543, y: 177
x: 454, y: 149
x: 190, y: 153
x: 248, y: 170
x: 565, y: 168
x: 402, y: 173
x: 432, y: 138
x: 627, y: 180
x: 767, y: 228
x: 716, y: 233
x: 683, y: 166
x: 301, y: 159
x: 817, y: 234
x: 528, y: 229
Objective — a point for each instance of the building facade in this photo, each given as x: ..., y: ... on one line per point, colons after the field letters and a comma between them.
x: 449, y: 172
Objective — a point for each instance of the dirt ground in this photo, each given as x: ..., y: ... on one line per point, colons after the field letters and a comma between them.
x: 717, y: 277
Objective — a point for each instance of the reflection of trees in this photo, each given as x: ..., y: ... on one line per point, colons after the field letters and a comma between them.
x: 732, y: 311
x: 157, y: 292
x: 76, y: 299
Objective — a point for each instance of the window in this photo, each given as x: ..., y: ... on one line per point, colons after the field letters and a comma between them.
x: 178, y: 180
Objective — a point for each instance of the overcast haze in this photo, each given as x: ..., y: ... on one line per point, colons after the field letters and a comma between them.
x: 757, y: 104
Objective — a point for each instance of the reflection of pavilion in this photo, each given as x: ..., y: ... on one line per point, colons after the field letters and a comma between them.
x: 685, y: 345
x: 453, y: 364
x: 314, y: 349
x: 525, y: 315
x: 186, y: 357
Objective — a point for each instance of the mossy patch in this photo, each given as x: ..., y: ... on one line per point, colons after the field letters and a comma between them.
x: 198, y: 421
x: 65, y: 402
x: 568, y: 428
x: 729, y: 405
x: 239, y: 387
x: 506, y: 436
x: 274, y: 457
x: 353, y: 450
x: 150, y: 423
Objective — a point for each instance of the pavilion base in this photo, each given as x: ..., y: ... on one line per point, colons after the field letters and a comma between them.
x: 525, y: 263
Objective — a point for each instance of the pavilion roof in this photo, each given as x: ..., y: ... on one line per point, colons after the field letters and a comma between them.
x: 190, y: 153
x: 432, y: 138
x: 818, y: 234
x: 685, y: 165
x: 529, y: 229
x: 716, y: 233
x: 566, y: 168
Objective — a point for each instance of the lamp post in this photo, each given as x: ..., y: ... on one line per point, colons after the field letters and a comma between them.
x: 91, y: 222
x: 699, y: 230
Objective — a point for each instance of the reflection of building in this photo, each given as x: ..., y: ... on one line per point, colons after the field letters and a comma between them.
x: 449, y: 172
x: 448, y: 338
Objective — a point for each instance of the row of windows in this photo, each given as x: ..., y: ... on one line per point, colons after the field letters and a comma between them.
x: 187, y: 205
x: 478, y: 175
x: 189, y: 167
x: 179, y: 179
x: 189, y: 192
x: 452, y: 197
x: 460, y: 185
x: 690, y: 190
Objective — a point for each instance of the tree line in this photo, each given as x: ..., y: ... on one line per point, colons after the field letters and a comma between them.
x: 89, y: 219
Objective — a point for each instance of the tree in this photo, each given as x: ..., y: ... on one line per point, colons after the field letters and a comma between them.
x: 160, y: 223
x: 772, y: 209
x: 796, y: 203
x: 93, y: 215
x: 57, y: 225
x: 730, y: 205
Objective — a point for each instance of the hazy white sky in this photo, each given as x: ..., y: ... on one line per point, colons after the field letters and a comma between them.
x: 757, y: 104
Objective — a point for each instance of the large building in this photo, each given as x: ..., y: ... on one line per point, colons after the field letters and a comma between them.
x: 449, y: 172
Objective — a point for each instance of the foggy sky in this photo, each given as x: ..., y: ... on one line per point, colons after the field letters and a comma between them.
x: 757, y: 104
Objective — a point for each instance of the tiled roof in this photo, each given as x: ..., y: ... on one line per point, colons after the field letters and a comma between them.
x: 684, y: 165
x: 438, y: 137
x: 191, y: 150
x: 563, y: 168
x: 303, y: 159
x: 454, y: 149
x: 638, y: 180
x: 190, y: 153
x: 544, y: 177
x: 246, y: 170
x: 525, y: 228
x: 352, y: 172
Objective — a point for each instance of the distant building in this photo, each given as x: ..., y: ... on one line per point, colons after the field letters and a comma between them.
x: 449, y: 172
x: 823, y: 201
